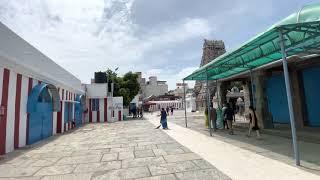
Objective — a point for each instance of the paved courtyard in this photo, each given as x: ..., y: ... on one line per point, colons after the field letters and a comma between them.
x: 235, y: 161
x: 271, y: 146
x: 122, y: 150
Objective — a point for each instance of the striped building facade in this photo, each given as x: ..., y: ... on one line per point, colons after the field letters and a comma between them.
x: 39, y: 98
x: 14, y: 92
x: 105, y: 109
x: 23, y: 71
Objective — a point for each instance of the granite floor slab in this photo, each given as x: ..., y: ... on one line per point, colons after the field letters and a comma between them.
x: 121, y: 150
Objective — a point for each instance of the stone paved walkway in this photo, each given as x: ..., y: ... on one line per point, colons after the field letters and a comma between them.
x: 271, y: 146
x: 122, y: 150
x: 236, y: 162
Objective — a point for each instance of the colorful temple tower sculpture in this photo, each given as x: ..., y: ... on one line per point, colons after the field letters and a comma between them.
x: 211, y: 50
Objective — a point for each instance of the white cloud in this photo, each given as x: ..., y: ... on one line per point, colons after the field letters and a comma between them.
x: 86, y: 36
x: 179, y: 32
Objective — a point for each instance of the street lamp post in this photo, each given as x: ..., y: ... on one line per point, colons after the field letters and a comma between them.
x: 184, y: 104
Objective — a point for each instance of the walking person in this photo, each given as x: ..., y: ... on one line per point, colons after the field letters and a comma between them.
x: 225, y: 124
x: 229, y: 116
x: 138, y: 112
x: 167, y: 109
x: 163, y: 119
x: 213, y: 117
x: 253, y: 125
x: 164, y: 115
x: 141, y: 112
x: 206, y: 117
x: 134, y: 111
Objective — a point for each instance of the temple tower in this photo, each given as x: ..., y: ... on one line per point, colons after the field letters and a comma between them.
x: 211, y: 50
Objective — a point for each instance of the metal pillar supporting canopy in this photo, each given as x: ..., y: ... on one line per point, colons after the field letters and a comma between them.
x: 208, y: 105
x: 289, y: 97
x: 218, y: 101
x: 218, y: 95
x: 252, y: 92
x: 184, y: 104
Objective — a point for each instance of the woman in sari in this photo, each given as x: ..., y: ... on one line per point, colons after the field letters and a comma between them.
x: 163, y: 119
x: 206, y: 117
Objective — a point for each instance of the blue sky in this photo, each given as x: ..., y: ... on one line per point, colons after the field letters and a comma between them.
x: 162, y: 38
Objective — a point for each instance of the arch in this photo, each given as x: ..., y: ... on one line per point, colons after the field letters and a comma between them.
x: 40, y: 107
x: 82, y: 100
x: 55, y: 97
x: 35, y: 93
x: 80, y: 107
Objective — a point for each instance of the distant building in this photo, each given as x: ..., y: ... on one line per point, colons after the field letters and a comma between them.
x: 190, y: 103
x: 151, y: 87
x: 142, y: 82
x: 171, y: 92
x: 155, y: 103
x: 179, y: 91
x: 166, y: 97
x: 182, y: 88
x: 155, y: 87
x: 103, y: 107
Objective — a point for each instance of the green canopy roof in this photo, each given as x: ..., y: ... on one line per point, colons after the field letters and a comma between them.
x: 300, y: 30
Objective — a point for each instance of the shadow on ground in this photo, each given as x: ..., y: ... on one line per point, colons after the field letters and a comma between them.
x: 274, y: 147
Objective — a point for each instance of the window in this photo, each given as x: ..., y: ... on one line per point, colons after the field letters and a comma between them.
x: 95, y: 104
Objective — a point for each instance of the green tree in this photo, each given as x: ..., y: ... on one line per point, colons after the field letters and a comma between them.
x: 130, y: 81
x: 112, y: 77
x: 127, y: 86
x: 125, y: 93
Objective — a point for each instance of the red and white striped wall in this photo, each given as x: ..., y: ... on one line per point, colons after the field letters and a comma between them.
x: 14, y: 91
x: 65, y: 96
x: 110, y: 110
